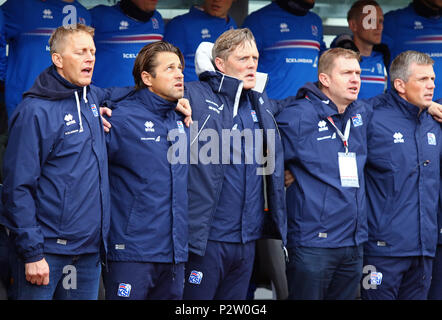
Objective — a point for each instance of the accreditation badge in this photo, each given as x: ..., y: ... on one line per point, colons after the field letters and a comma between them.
x: 348, y: 169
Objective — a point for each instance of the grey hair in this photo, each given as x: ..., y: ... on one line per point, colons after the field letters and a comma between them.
x: 400, y: 67
x: 229, y: 40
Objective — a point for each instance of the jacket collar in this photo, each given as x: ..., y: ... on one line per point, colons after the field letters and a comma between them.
x: 325, y: 106
x: 220, y: 82
x: 155, y: 103
x: 406, y: 107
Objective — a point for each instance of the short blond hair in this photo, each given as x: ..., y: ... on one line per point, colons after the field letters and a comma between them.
x: 327, y: 59
x: 61, y: 33
x: 229, y: 40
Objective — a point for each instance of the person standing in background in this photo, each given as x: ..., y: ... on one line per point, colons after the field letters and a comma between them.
x: 28, y: 27
x: 365, y: 19
x: 121, y: 31
x: 205, y: 23
x: 289, y: 39
x: 417, y: 27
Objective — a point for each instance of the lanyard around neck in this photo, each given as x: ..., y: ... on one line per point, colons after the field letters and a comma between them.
x: 344, y: 137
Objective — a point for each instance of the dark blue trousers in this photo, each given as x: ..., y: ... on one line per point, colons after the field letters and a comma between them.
x: 324, y: 273
x: 143, y: 281
x: 71, y: 277
x: 223, y: 273
x: 403, y: 278
x: 435, y: 292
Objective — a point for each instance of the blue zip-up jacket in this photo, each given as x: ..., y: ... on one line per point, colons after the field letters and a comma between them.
x: 212, y: 99
x: 402, y: 179
x: 439, y: 211
x: 405, y: 29
x: 28, y: 26
x: 322, y: 213
x: 148, y: 192
x: 118, y: 39
x: 56, y: 188
x: 3, y: 58
x: 289, y: 47
x: 187, y: 31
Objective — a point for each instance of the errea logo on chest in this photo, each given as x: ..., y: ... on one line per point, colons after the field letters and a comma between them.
x: 148, y: 126
x: 47, y: 14
x: 398, y: 137
x: 322, y: 126
x: 124, y: 25
x: 69, y: 119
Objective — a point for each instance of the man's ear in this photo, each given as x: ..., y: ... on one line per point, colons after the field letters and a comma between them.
x: 57, y: 60
x: 399, y: 85
x: 147, y: 78
x: 324, y: 79
x: 352, y: 26
x: 219, y: 63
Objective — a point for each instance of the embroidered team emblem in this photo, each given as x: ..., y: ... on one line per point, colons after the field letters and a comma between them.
x: 431, y: 138
x: 124, y: 290
x: 180, y: 126
x: 376, y: 278
x: 94, y: 110
x: 357, y: 120
x: 195, y: 277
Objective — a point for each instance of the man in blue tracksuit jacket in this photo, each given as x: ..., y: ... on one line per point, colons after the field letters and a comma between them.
x: 121, y: 31
x: 28, y: 26
x: 205, y: 23
x: 231, y: 204
x: 149, y: 233
x: 402, y: 181
x: 417, y: 27
x: 56, y: 189
x: 435, y: 292
x: 289, y: 38
x: 366, y: 40
x: 324, y: 134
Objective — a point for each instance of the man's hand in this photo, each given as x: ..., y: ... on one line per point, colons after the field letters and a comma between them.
x: 37, y: 272
x: 108, y: 112
x: 435, y: 109
x: 288, y: 178
x: 183, y: 106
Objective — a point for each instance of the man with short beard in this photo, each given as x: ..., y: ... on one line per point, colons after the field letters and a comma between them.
x: 149, y: 231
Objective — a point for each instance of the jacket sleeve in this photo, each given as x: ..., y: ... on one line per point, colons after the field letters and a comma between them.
x: 29, y: 145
